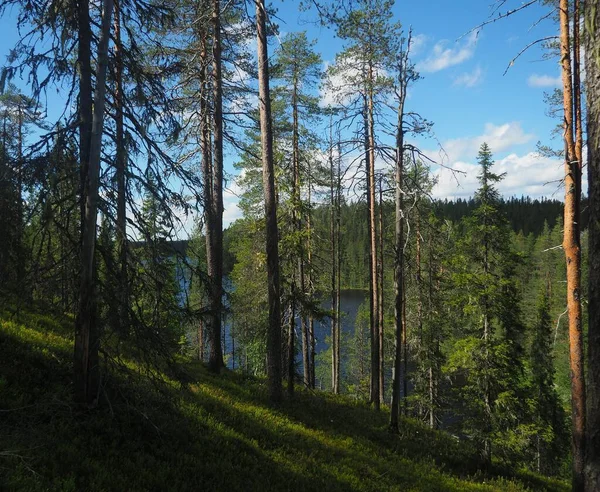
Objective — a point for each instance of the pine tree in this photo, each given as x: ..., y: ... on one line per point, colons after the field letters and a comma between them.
x: 370, y: 44
x: 272, y: 246
x: 298, y: 68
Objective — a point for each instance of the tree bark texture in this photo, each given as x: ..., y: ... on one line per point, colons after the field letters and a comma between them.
x: 272, y: 246
x: 87, y: 340
x: 592, y: 63
x: 297, y: 219
x: 380, y: 296
x: 311, y: 323
x: 572, y: 248
x: 398, y: 273
x: 120, y: 172
x: 373, y: 284
x: 214, y: 237
x: 335, y: 349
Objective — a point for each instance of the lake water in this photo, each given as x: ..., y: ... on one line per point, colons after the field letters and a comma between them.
x: 350, y: 302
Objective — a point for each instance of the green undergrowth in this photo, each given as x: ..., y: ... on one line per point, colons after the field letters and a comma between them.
x: 209, y: 433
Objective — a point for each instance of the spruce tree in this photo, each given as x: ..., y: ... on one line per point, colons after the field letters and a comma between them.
x: 489, y: 357
x: 371, y: 41
x: 548, y: 416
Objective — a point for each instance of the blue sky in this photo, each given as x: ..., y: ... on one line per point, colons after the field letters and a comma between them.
x: 463, y: 90
x: 465, y: 93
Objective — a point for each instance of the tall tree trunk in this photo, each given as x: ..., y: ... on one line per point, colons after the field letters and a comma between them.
x: 380, y: 297
x: 398, y: 276
x: 215, y: 236
x: 335, y: 350
x: 121, y: 164
x: 272, y: 246
x: 592, y: 64
x: 84, y: 67
x: 404, y: 352
x: 206, y: 153
x: 311, y: 323
x: 338, y: 260
x: 373, y: 284
x: 571, y: 246
x: 86, y: 363
x: 20, y: 214
x: 297, y: 219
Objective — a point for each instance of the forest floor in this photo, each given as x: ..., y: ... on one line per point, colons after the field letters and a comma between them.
x: 209, y: 433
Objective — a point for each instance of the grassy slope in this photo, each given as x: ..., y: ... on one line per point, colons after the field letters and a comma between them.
x: 216, y: 433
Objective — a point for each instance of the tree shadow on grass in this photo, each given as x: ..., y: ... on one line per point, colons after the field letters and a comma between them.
x: 220, y: 434
x: 359, y: 427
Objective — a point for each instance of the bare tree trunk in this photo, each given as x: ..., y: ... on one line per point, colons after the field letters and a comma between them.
x: 121, y: 164
x: 398, y: 284
x: 338, y: 260
x: 20, y: 213
x: 86, y: 363
x: 215, y: 235
x: 311, y: 323
x: 335, y: 350
x: 296, y: 217
x: 404, y: 352
x: 572, y: 248
x: 592, y: 64
x: 84, y: 67
x: 206, y: 153
x: 272, y: 246
x: 380, y: 297
x: 373, y: 284
x: 304, y: 327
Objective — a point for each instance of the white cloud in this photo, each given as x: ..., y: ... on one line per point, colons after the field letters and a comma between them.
x: 240, y: 75
x: 547, y: 81
x: 339, y: 88
x: 498, y: 137
x: 418, y: 43
x: 442, y: 57
x: 231, y: 199
x: 529, y: 174
x: 469, y: 79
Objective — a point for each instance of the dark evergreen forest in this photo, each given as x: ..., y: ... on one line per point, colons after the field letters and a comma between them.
x: 222, y: 265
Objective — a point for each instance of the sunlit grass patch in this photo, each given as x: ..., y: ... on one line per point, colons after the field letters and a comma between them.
x: 211, y: 432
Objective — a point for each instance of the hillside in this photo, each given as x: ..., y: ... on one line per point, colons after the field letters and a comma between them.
x: 208, y: 434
